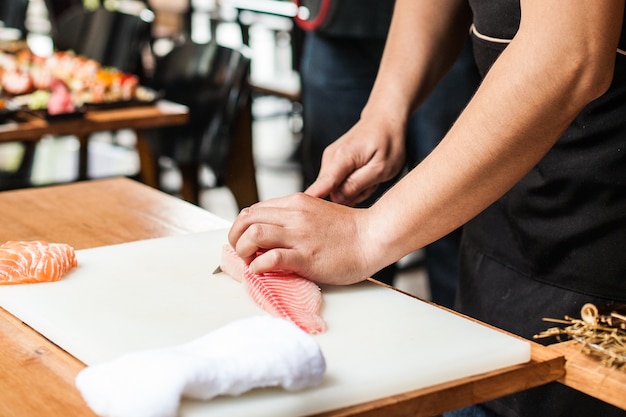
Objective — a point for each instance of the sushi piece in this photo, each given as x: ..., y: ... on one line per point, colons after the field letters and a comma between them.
x: 16, y: 82
x: 25, y: 262
x: 280, y: 293
x: 60, y: 99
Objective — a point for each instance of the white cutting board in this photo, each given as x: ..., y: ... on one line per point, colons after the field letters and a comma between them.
x: 161, y: 292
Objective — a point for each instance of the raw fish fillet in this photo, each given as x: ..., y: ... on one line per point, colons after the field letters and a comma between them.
x: 35, y: 261
x: 281, y: 293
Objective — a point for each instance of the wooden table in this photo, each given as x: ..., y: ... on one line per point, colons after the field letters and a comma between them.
x: 38, y: 377
x: 30, y: 129
x: 586, y: 374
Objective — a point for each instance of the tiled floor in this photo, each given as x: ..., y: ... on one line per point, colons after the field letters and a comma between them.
x: 275, y: 140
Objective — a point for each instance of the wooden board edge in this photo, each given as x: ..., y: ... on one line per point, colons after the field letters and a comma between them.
x: 28, y: 353
x: 587, y: 374
x: 48, y: 354
x: 544, y: 367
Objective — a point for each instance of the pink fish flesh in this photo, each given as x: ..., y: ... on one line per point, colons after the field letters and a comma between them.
x: 281, y: 293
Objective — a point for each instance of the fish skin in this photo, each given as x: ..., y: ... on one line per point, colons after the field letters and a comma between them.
x: 27, y: 262
x: 280, y: 293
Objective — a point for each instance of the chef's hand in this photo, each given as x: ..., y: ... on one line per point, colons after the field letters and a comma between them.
x: 322, y: 241
x: 353, y: 166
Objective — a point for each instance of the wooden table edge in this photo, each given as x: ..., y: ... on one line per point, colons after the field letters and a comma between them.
x: 159, y: 114
x: 587, y: 374
x: 54, y: 390
x: 544, y: 367
x: 53, y: 357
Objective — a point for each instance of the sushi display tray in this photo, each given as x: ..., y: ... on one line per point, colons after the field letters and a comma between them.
x: 8, y: 110
x: 43, y: 114
x: 143, y: 97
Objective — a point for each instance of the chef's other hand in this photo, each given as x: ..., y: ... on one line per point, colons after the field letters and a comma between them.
x: 322, y: 241
x: 353, y: 166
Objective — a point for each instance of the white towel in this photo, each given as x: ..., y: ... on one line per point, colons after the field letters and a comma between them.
x: 260, y: 351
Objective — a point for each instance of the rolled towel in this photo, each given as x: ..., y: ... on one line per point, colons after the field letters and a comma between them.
x: 260, y: 351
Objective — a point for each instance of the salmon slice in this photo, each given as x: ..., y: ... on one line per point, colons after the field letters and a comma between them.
x: 280, y: 293
x: 27, y: 262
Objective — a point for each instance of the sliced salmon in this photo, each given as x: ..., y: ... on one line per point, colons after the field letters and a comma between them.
x: 280, y: 293
x: 25, y: 262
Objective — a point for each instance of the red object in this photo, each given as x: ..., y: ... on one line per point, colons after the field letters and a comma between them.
x: 60, y: 99
x: 317, y: 21
x: 281, y: 293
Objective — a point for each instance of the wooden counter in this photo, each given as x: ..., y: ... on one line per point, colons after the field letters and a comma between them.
x: 587, y: 374
x: 38, y: 377
x: 30, y: 129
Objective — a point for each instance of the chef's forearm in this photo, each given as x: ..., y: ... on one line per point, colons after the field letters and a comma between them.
x: 424, y: 40
x: 531, y: 94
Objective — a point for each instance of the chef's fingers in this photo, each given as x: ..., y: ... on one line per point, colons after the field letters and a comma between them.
x: 322, y: 187
x: 359, y: 185
x: 253, y: 223
x: 260, y: 237
x: 349, y: 200
x: 331, y: 177
x: 346, y: 193
x: 277, y: 259
x: 257, y: 213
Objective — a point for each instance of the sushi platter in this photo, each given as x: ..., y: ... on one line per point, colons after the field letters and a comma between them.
x: 161, y: 292
x: 65, y: 85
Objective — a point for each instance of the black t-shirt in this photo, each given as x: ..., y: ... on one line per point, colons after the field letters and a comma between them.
x: 360, y: 19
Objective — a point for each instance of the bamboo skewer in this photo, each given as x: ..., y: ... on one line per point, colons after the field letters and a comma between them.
x: 600, y: 330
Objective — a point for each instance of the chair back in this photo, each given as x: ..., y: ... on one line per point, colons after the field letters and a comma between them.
x: 212, y: 80
x: 57, y: 12
x: 13, y: 14
x: 111, y: 37
x: 68, y: 27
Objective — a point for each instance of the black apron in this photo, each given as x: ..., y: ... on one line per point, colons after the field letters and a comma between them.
x: 556, y: 240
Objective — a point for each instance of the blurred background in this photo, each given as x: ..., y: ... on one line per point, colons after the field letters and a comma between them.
x: 263, y: 28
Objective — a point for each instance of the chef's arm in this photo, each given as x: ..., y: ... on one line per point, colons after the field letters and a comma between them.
x: 425, y: 39
x: 562, y: 58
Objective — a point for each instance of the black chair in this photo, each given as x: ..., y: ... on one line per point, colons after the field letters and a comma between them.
x: 21, y: 176
x: 212, y: 80
x: 13, y: 14
x: 115, y: 38
x: 58, y: 10
x: 112, y: 37
x: 278, y: 17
